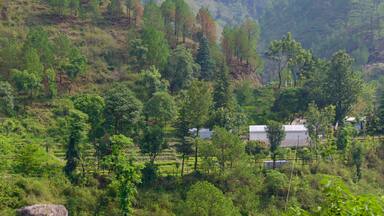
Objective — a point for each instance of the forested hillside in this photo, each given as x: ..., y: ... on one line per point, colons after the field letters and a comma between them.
x: 323, y: 26
x: 129, y: 107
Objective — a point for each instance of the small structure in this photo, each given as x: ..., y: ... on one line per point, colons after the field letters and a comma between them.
x: 295, y: 135
x: 204, y: 133
x: 278, y: 164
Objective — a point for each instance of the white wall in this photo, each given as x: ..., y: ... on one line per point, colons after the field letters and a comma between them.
x: 299, y: 138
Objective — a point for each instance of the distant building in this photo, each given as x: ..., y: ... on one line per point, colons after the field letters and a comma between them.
x: 279, y: 163
x: 204, y: 133
x: 295, y: 135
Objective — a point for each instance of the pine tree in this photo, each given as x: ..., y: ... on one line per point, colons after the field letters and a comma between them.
x: 222, y: 92
x: 204, y: 59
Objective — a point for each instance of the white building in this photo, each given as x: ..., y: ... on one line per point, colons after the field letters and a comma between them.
x: 204, y: 133
x: 295, y: 135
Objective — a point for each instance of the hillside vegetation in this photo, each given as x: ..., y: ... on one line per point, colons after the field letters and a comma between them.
x: 102, y: 103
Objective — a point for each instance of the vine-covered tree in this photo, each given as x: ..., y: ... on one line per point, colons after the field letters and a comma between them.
x: 78, y: 129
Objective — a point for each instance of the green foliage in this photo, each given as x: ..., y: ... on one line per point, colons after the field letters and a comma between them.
x: 122, y: 110
x: 153, y: 17
x: 37, y: 42
x: 6, y: 98
x: 257, y: 149
x: 93, y: 106
x: 204, y: 59
x: 149, y: 83
x: 27, y: 82
x: 160, y: 108
x: 126, y: 174
x: 342, y: 85
x: 275, y: 134
x: 157, y: 46
x: 289, y: 104
x: 33, y: 160
x: 276, y: 184
x: 77, y: 134
x: 288, y: 54
x: 181, y: 69
x: 344, y: 137
x: 205, y: 199
x: 76, y: 64
x: 50, y: 83
x: 32, y: 62
x: 197, y: 101
x: 227, y: 147
x: 318, y: 121
x: 340, y: 201
x: 153, y: 142
x: 357, y: 153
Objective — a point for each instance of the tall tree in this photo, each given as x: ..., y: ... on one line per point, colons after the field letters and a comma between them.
x: 228, y: 147
x: 77, y: 134
x: 185, y: 146
x: 288, y: 54
x: 183, y: 19
x: 157, y: 45
x: 93, y: 106
x: 204, y: 59
x: 134, y: 8
x: 181, y: 69
x: 198, y: 100
x: 149, y: 82
x: 168, y: 9
x: 153, y: 142
x: 122, y: 110
x: 126, y: 174
x: 160, y: 108
x: 275, y: 134
x: 207, y: 24
x: 342, y: 85
x: 153, y: 17
x: 226, y: 113
x: 319, y: 121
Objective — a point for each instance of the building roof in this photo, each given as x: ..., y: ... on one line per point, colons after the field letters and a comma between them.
x: 287, y: 128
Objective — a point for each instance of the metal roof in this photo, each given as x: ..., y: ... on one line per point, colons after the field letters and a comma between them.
x: 287, y: 128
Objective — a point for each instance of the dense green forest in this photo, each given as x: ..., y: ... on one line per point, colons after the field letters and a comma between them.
x: 102, y: 103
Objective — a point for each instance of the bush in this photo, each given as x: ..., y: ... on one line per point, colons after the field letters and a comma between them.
x: 204, y: 199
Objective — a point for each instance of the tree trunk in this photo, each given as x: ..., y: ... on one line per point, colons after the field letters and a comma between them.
x: 182, y: 165
x: 196, y: 150
x: 279, y: 72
